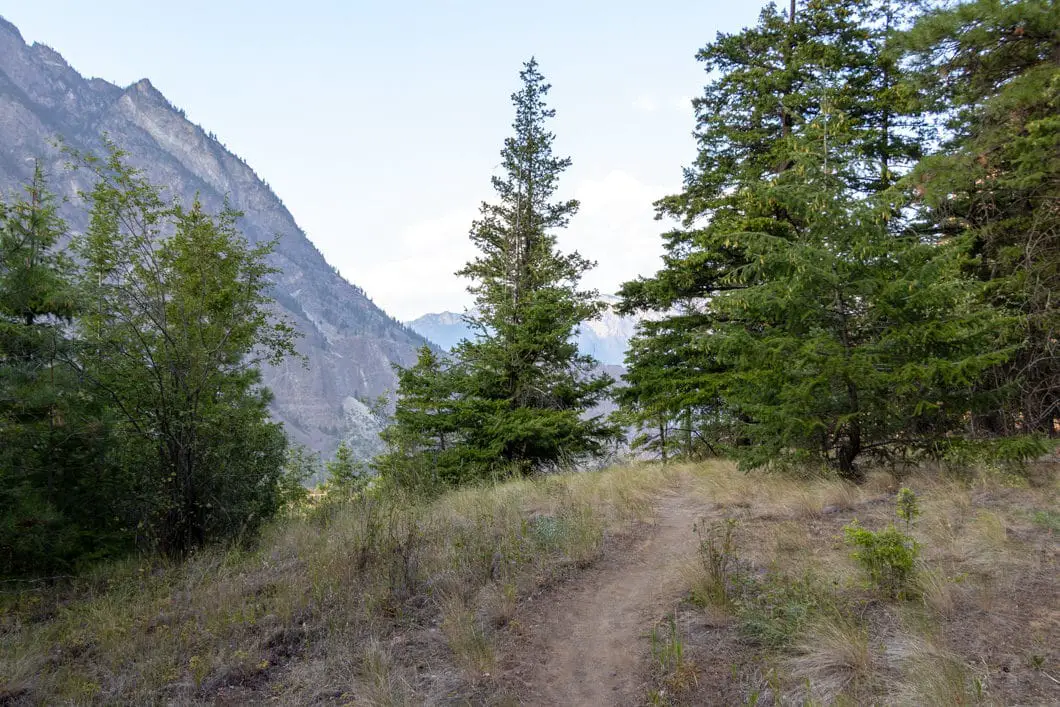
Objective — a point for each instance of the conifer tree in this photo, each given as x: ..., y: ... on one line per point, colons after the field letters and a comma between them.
x: 514, y: 398
x: 41, y: 446
x: 993, y: 69
x: 345, y: 474
x: 787, y: 270
x: 524, y: 363
x: 435, y: 440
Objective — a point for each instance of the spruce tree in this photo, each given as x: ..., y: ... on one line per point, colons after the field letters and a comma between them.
x: 42, y: 450
x: 524, y: 363
x: 513, y: 399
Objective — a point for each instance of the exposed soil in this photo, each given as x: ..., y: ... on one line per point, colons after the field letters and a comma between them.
x: 585, y: 643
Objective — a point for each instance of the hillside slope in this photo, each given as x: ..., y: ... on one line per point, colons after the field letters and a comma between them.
x: 349, y: 342
x: 674, y: 585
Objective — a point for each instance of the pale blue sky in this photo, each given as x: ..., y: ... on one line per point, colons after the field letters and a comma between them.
x: 379, y: 124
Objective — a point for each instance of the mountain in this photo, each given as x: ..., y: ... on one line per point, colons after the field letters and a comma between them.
x: 349, y: 343
x: 606, y: 338
x: 444, y: 328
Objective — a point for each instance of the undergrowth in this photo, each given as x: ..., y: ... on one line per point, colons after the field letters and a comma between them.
x: 375, y: 599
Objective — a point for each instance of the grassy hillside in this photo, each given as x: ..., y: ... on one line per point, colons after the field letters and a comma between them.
x: 778, y: 608
x: 392, y: 601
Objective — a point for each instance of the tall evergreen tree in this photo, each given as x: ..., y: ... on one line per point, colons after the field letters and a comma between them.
x: 769, y: 83
x: 520, y: 389
x: 785, y: 267
x: 43, y: 452
x: 525, y: 362
x: 994, y: 69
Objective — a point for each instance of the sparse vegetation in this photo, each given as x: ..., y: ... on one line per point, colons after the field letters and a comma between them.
x: 344, y: 599
x: 888, y: 556
x: 718, y: 562
x: 799, y: 625
x: 386, y: 599
x: 670, y: 667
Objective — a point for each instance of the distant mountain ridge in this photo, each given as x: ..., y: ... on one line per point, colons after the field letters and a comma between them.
x: 348, y: 341
x: 606, y: 338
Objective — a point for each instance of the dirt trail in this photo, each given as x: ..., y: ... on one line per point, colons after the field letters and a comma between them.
x: 588, y: 642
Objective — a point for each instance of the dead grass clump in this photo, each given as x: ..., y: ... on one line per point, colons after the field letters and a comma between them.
x: 468, y: 639
x: 833, y: 659
x: 933, y: 675
x: 822, y: 497
x: 940, y: 592
x: 383, y: 683
x: 788, y: 547
x: 498, y: 603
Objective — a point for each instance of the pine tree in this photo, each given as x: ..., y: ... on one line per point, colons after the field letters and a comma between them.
x: 994, y: 69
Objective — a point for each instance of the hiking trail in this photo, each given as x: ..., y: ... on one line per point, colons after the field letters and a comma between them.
x: 586, y: 642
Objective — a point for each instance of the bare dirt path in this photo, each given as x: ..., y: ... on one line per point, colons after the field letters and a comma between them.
x: 586, y: 643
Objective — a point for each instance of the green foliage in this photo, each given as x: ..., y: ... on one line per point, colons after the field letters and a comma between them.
x: 675, y: 672
x: 346, y: 475
x: 301, y: 466
x: 52, y: 504
x: 907, y: 507
x: 1047, y: 518
x: 775, y: 609
x: 772, y: 608
x: 992, y: 70
x: 513, y: 399
x: 808, y: 308
x: 888, y: 556
x: 177, y: 324
x: 131, y: 408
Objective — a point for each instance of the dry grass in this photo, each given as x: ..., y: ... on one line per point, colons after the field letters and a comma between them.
x: 833, y: 659
x: 376, y: 601
x: 934, y: 675
x: 392, y: 601
x: 981, y: 624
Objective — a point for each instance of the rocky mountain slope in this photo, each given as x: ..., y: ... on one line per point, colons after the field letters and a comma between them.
x: 349, y: 342
x: 606, y: 338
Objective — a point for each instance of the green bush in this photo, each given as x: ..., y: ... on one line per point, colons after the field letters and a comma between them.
x: 907, y: 508
x: 888, y: 556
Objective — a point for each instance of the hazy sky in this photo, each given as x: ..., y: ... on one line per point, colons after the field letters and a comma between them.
x: 380, y: 123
